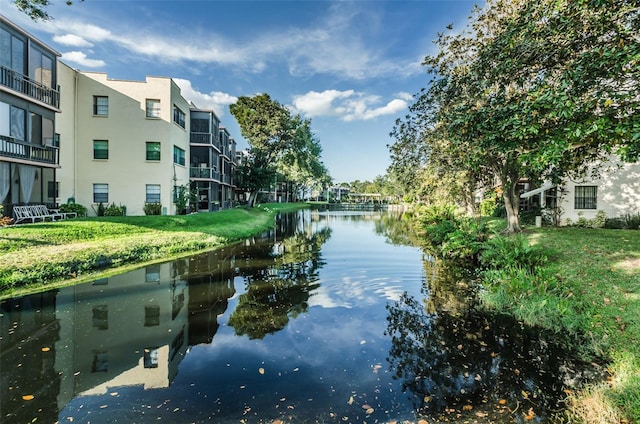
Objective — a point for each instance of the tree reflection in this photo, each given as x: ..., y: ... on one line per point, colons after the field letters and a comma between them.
x: 459, y: 363
x: 280, y: 288
x: 397, y: 230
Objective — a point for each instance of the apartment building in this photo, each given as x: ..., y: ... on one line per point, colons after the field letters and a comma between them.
x: 29, y: 101
x: 68, y: 135
x: 213, y: 153
x: 128, y: 141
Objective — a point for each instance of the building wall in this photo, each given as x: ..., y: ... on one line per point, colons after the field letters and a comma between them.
x: 618, y: 192
x: 127, y: 129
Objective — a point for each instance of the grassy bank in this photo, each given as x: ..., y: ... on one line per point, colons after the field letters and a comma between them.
x: 35, y: 256
x: 583, y: 283
x: 590, y: 285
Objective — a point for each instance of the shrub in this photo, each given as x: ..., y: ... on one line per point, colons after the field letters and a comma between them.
x: 153, y: 208
x: 74, y: 207
x: 113, y: 210
x: 100, y: 211
x: 632, y: 222
x: 511, y: 251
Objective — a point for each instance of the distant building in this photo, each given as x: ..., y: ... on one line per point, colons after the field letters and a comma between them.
x: 213, y: 156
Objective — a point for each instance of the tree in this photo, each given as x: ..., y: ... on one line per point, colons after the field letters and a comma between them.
x: 36, y: 9
x: 536, y: 89
x: 279, y: 142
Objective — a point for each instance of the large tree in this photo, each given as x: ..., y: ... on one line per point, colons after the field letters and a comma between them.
x: 279, y: 144
x: 533, y: 89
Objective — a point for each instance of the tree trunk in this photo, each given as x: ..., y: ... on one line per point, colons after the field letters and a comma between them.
x: 253, y: 195
x: 512, y: 205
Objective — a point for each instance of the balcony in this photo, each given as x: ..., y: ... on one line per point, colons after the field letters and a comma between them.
x: 10, y: 147
x: 204, y: 173
x: 203, y: 138
x: 34, y: 90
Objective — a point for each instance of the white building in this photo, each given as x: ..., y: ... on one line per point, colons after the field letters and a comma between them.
x: 616, y: 192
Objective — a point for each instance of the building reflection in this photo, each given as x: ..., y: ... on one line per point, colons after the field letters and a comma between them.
x: 127, y: 330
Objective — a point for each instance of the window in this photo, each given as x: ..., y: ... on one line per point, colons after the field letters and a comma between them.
x: 178, y: 155
x: 153, y: 150
x: 18, y: 123
x: 100, y: 105
x: 151, y: 316
x: 153, y: 108
x: 178, y: 193
x: 153, y: 193
x: 11, y: 52
x: 151, y: 356
x: 40, y: 67
x: 52, y: 189
x: 101, y: 193
x: 586, y: 197
x: 100, y: 149
x: 100, y: 361
x: 178, y: 116
x: 101, y: 317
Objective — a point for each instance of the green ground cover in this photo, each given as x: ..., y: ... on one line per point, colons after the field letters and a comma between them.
x: 582, y: 283
x: 40, y: 255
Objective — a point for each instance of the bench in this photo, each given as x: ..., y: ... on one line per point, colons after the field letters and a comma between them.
x: 36, y: 213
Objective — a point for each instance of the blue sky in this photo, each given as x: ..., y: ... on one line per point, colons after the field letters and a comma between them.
x: 352, y: 67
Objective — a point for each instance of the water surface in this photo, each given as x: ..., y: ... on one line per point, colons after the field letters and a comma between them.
x: 330, y: 317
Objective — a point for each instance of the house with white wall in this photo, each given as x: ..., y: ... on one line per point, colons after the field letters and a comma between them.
x: 615, y: 191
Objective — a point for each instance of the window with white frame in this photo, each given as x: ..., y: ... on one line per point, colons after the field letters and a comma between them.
x: 101, y: 193
x: 153, y: 150
x: 153, y: 108
x: 100, y: 105
x: 100, y: 149
x: 586, y: 197
x: 153, y: 193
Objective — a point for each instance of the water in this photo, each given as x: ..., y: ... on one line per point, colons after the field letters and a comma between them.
x: 331, y: 317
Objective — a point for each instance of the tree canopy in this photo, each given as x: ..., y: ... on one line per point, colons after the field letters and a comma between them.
x: 529, y: 89
x: 280, y: 144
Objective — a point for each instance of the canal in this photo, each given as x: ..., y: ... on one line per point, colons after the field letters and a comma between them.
x: 330, y: 317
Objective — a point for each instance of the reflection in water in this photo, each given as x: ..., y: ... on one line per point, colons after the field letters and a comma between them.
x: 282, y: 290
x: 293, y: 326
x: 460, y: 363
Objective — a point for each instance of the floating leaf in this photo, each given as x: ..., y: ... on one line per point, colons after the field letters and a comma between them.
x: 467, y: 407
x: 46, y: 349
x: 502, y: 401
x: 27, y: 397
x: 370, y: 411
x: 350, y: 401
x: 365, y: 406
x: 261, y: 370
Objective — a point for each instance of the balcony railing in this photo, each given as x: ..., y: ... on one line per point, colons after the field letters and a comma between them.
x: 204, y: 173
x: 10, y: 147
x: 22, y: 84
x: 203, y: 138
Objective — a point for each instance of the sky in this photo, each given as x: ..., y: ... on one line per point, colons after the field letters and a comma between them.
x: 351, y: 67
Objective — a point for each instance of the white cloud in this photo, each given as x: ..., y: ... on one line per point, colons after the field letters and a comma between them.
x: 81, y: 59
x: 329, y: 46
x: 215, y: 100
x: 349, y: 105
x: 72, y: 40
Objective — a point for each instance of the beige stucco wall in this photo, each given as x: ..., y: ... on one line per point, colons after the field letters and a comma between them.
x: 618, y: 192
x: 127, y: 129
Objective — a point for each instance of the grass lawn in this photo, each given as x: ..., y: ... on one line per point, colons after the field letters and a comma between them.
x: 35, y: 256
x: 596, y: 294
